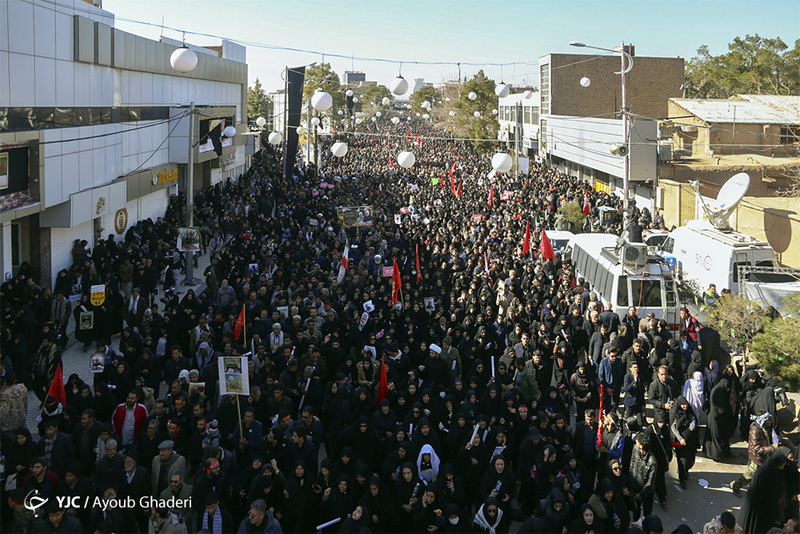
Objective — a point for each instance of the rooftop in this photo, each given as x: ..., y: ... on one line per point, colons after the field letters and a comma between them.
x: 745, y: 109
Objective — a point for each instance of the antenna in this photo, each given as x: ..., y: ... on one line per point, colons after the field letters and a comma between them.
x: 719, y: 211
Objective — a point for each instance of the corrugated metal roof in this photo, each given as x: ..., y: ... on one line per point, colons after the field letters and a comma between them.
x: 745, y: 109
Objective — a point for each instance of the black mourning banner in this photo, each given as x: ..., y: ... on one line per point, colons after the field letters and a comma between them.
x: 294, y: 101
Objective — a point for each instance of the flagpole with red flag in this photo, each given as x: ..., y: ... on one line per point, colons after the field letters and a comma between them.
x: 57, y: 387
x: 458, y: 194
x: 547, y: 247
x: 419, y: 273
x: 491, y: 196
x: 600, y: 419
x: 237, y: 329
x: 383, y: 385
x: 396, y: 281
x: 586, y: 207
x: 526, y: 246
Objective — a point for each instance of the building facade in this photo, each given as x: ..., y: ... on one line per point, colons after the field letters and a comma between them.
x: 94, y: 128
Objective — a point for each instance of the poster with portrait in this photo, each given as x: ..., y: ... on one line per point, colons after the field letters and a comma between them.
x: 86, y: 321
x: 430, y: 304
x: 97, y: 362
x: 188, y: 239
x: 199, y: 387
x: 235, y: 380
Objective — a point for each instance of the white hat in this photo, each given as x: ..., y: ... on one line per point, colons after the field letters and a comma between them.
x: 435, y: 348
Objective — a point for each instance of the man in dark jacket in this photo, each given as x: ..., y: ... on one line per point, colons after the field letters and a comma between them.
x: 663, y: 392
x: 643, y: 475
x: 56, y: 447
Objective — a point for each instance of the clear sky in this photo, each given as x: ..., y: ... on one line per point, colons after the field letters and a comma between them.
x: 467, y: 31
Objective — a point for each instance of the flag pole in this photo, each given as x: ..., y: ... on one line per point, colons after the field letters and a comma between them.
x: 239, y: 411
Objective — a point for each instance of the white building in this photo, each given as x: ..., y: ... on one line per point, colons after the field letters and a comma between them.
x: 94, y: 128
x: 518, y: 118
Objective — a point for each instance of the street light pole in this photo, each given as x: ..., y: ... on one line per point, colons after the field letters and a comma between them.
x: 625, y: 119
x: 190, y: 197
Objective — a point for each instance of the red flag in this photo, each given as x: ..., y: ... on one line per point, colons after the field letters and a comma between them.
x: 334, y: 130
x: 458, y: 194
x: 600, y: 420
x: 452, y: 169
x: 57, y: 387
x: 383, y: 385
x: 547, y: 247
x: 586, y: 207
x: 396, y: 282
x: 237, y: 329
x: 391, y: 162
x: 419, y: 141
x: 408, y: 136
x: 441, y: 183
x: 526, y: 246
x: 491, y: 196
x: 419, y: 273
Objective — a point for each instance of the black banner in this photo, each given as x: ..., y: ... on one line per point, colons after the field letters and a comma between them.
x: 294, y: 102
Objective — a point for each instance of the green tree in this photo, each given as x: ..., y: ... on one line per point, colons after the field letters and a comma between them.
x: 737, y: 320
x: 426, y: 93
x: 323, y: 77
x: 572, y: 212
x: 258, y: 103
x: 755, y: 65
x: 484, y: 127
x: 777, y: 348
x: 374, y: 95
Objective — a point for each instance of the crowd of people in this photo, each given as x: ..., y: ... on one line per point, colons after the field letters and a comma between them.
x: 490, y: 386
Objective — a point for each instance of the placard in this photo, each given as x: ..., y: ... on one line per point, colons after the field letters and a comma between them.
x: 188, y: 239
x: 235, y: 380
x: 86, y: 321
x: 430, y: 304
x: 388, y: 271
x: 98, y: 295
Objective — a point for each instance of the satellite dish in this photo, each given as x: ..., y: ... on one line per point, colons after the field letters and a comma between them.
x: 731, y: 193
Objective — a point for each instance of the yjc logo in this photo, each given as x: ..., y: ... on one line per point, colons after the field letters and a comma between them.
x: 33, y: 502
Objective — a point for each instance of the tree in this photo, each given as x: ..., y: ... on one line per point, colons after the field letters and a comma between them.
x: 428, y: 93
x: 737, y: 320
x: 485, y: 126
x: 777, y: 348
x: 323, y: 77
x: 374, y: 95
x: 573, y: 213
x: 755, y: 65
x: 258, y: 103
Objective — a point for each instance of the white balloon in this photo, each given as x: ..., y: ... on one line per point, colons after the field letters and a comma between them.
x: 417, y: 114
x: 229, y: 132
x: 386, y: 101
x: 315, y: 121
x: 477, y: 114
x: 395, y: 120
x: 426, y: 105
x: 409, y: 119
x: 378, y: 114
x: 339, y: 149
x: 358, y: 121
x: 472, y: 95
x: 261, y: 121
x: 447, y: 99
x: 340, y: 112
x: 527, y: 94
x: 406, y: 159
x: 501, y: 90
x: 301, y: 130
x: 494, y: 112
x: 275, y: 138
x: 452, y: 113
x: 374, y: 119
x: 349, y: 92
x: 585, y: 82
x: 183, y: 59
x: 399, y: 86
x: 426, y: 116
x: 501, y: 162
x: 321, y: 101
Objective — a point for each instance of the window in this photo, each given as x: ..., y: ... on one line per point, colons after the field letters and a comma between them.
x: 535, y: 115
x: 790, y: 135
x: 646, y: 293
x: 526, y: 115
x: 544, y: 88
x: 667, y: 245
x: 622, y: 291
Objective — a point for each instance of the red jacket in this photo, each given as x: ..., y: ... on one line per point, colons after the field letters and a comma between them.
x: 139, y: 416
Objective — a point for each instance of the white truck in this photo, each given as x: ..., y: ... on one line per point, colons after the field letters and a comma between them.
x: 707, y: 255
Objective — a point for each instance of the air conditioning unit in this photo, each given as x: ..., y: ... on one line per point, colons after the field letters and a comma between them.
x: 634, y: 255
x: 664, y: 151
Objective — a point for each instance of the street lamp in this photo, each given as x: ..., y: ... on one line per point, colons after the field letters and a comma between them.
x: 184, y: 60
x: 625, y: 137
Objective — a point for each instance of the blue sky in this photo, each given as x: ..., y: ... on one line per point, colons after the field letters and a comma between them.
x: 456, y: 31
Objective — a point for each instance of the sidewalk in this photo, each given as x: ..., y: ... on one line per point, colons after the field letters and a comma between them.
x: 75, y: 360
